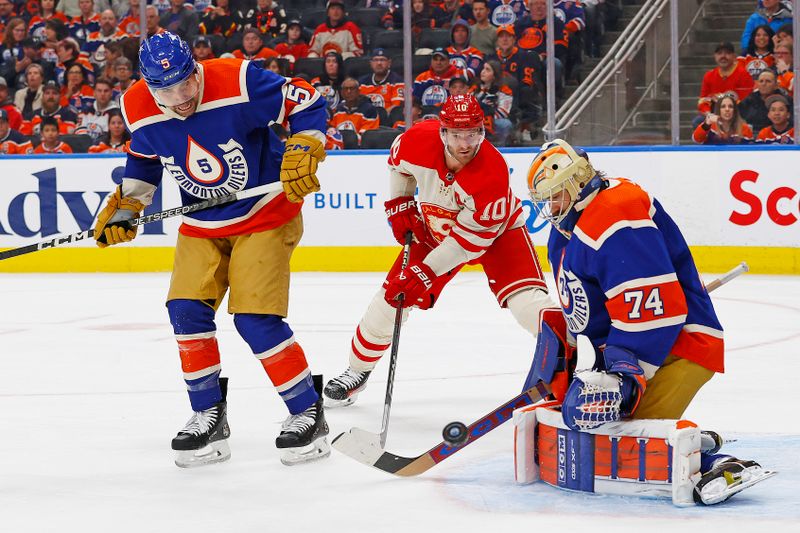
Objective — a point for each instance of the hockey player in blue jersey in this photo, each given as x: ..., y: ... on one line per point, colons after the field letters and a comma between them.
x: 207, y: 125
x: 627, y: 281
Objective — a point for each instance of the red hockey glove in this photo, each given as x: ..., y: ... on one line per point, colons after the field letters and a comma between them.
x: 404, y: 216
x: 412, y: 284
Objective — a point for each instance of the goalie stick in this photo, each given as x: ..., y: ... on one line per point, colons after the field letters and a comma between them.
x: 366, y: 447
x: 146, y: 219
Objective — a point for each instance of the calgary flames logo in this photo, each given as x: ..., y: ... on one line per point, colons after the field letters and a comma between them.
x: 438, y: 220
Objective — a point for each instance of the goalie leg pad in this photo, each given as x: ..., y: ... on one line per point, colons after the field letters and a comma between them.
x: 639, y: 458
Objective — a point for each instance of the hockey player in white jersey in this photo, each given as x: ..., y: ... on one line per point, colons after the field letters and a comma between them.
x: 465, y: 214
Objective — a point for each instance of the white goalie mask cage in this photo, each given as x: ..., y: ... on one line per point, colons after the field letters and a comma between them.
x: 558, y: 168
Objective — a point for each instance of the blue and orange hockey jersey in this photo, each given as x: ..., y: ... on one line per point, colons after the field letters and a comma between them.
x: 626, y: 278
x: 225, y: 146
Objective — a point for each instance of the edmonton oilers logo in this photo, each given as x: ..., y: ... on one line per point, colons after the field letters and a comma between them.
x: 204, y: 175
x: 573, y: 300
x: 503, y: 15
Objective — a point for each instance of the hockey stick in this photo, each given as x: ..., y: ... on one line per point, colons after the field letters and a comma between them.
x: 365, y: 447
x: 153, y: 217
x: 741, y: 268
x: 398, y: 321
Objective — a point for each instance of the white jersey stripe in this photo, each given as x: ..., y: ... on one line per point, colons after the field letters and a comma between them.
x: 705, y: 330
x: 596, y: 244
x: 201, y: 373
x: 640, y: 282
x: 195, y: 336
x: 649, y: 324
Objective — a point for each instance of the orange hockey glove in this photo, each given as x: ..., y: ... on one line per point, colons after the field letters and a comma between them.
x: 299, y: 166
x: 112, y: 223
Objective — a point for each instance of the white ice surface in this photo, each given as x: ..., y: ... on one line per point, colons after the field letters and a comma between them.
x: 91, y: 395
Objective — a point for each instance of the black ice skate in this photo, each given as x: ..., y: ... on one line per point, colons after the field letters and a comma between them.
x: 204, y: 440
x: 302, y: 436
x: 728, y: 477
x: 343, y: 390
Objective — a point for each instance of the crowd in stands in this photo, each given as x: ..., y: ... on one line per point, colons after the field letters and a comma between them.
x: 749, y: 98
x: 65, y: 63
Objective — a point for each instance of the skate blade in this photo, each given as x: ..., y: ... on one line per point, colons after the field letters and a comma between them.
x: 216, y: 452
x: 730, y: 491
x: 319, y: 449
x: 335, y: 404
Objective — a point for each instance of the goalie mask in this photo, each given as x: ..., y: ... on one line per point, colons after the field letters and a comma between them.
x: 556, y: 178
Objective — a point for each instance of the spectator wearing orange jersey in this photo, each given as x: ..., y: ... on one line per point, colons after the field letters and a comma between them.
x: 51, y: 143
x: 336, y: 33
x: 723, y: 125
x: 66, y: 117
x: 115, y: 139
x: 12, y: 142
x: 758, y: 55
x: 728, y: 75
x: 77, y: 92
x: 355, y: 112
x: 780, y: 130
x: 7, y: 104
x: 129, y: 21
x: 383, y: 87
x: 253, y: 48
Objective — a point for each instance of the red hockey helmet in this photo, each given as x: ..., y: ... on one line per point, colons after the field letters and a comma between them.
x: 461, y: 112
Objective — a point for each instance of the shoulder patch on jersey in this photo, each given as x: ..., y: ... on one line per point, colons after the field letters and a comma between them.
x: 623, y: 205
x: 138, y: 105
x: 223, y: 79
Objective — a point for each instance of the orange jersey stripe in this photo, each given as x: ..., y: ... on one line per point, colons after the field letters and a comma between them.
x: 271, y: 215
x: 705, y: 350
x: 631, y: 306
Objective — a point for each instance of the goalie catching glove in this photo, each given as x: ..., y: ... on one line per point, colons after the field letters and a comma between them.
x: 299, y: 166
x: 112, y: 226
x: 595, y: 398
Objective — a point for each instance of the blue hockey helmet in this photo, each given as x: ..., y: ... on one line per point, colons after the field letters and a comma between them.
x: 165, y: 60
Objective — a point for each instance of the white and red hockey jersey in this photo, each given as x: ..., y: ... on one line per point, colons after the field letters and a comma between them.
x: 464, y: 211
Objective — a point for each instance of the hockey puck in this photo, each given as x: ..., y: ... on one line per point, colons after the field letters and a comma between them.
x: 455, y: 434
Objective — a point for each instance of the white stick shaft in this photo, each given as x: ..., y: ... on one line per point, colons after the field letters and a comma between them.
x: 725, y: 278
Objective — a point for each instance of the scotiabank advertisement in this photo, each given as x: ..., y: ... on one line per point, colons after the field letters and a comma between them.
x: 718, y: 198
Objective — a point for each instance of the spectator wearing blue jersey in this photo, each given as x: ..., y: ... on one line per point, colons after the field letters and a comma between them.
x: 775, y: 13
